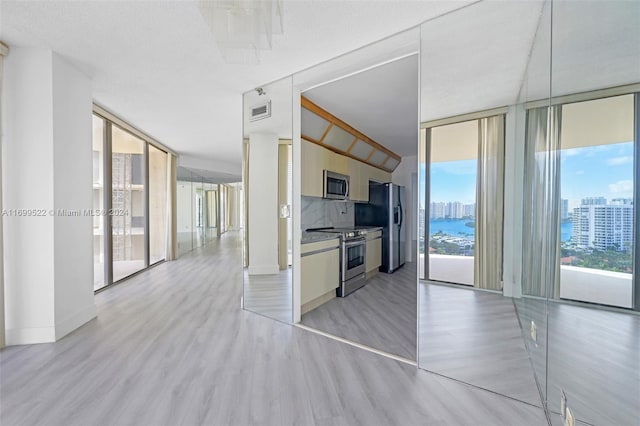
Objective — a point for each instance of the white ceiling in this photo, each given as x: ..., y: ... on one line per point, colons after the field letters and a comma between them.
x: 156, y: 64
x: 382, y: 103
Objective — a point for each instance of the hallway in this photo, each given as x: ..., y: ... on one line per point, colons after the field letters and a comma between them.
x: 172, y: 346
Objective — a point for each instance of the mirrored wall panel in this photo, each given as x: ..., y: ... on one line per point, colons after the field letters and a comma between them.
x: 359, y: 142
x: 205, y: 210
x: 474, y: 87
x: 594, y: 324
x: 268, y: 192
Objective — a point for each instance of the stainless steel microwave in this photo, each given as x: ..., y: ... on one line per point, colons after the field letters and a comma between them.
x: 336, y: 186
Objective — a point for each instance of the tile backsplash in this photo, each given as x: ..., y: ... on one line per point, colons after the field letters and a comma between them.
x: 318, y: 213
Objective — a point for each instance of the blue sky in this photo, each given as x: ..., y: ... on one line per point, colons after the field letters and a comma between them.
x: 604, y: 170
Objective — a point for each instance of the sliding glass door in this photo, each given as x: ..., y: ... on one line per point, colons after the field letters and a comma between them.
x: 453, y: 155
x: 597, y: 201
x: 128, y: 203
x: 157, y: 204
x: 462, y: 209
x: 99, y: 260
x: 130, y: 190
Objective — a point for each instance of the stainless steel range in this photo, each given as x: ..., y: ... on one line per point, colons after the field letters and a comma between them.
x: 352, y: 256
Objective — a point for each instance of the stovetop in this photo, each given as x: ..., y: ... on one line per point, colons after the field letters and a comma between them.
x: 346, y: 233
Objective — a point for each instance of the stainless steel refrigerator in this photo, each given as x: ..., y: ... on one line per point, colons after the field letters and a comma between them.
x: 386, y: 208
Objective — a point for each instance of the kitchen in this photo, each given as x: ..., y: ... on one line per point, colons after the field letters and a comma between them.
x: 358, y: 209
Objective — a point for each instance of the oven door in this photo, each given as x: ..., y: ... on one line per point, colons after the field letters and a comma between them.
x: 353, y: 256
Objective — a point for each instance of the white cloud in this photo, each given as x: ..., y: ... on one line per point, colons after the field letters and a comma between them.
x: 618, y: 161
x: 622, y: 188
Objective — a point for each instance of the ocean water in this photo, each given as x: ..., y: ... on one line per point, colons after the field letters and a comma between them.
x: 458, y: 227
x: 565, y: 231
x: 453, y: 227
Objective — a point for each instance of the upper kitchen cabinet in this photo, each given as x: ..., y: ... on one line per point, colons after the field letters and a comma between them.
x: 323, y: 128
x: 329, y: 143
x: 316, y: 159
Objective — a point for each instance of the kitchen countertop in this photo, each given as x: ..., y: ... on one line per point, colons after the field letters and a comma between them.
x: 312, y: 237
x: 370, y: 228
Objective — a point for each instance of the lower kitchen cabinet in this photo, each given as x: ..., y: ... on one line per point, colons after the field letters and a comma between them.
x: 320, y: 273
x: 373, y: 258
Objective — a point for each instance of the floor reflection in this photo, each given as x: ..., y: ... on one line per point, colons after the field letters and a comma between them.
x: 474, y: 336
x: 270, y: 295
x: 381, y: 315
x: 593, y: 356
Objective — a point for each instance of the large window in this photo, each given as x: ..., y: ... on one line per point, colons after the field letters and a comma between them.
x: 463, y: 207
x: 157, y: 204
x: 596, y: 206
x: 99, y: 272
x: 128, y: 203
x: 452, y: 202
x: 130, y: 200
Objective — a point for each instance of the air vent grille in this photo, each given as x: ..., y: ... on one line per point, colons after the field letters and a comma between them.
x: 260, y: 112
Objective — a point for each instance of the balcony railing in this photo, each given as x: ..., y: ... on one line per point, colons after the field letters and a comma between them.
x: 576, y: 283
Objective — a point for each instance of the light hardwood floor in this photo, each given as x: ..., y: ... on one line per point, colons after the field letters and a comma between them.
x: 474, y: 336
x: 381, y: 314
x: 172, y: 346
x: 270, y: 295
x: 593, y: 356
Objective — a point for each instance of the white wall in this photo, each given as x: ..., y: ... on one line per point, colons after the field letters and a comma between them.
x: 402, y: 176
x: 263, y: 203
x: 73, y: 189
x: 47, y: 165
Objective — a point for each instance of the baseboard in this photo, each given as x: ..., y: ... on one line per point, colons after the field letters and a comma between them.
x: 264, y: 269
x: 74, y: 321
x: 30, y: 336
x: 321, y: 300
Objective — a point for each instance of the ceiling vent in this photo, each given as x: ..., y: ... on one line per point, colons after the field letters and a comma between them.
x: 261, y: 111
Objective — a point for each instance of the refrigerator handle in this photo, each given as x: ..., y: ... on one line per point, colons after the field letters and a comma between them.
x: 401, y: 214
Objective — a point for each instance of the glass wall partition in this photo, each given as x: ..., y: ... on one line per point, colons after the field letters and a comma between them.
x: 473, y: 90
x: 130, y: 193
x: 201, y: 209
x: 593, y: 302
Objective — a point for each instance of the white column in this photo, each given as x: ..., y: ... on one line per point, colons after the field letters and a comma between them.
x: 47, y: 185
x: 263, y: 203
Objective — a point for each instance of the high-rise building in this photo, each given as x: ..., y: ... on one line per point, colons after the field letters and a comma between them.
x: 564, y: 209
x: 603, y: 226
x: 438, y: 210
x: 593, y: 201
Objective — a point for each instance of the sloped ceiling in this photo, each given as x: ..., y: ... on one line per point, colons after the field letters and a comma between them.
x: 381, y: 102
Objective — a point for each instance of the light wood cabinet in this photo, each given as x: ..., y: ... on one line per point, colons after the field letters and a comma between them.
x: 320, y: 269
x: 338, y: 163
x: 315, y: 159
x: 373, y: 258
x: 359, y: 189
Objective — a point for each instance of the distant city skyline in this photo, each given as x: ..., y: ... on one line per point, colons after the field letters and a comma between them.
x: 595, y: 171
